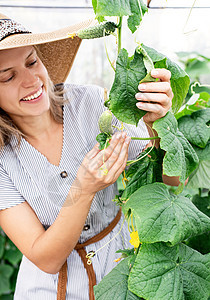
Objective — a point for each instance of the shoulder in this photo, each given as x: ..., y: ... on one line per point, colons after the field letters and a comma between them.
x: 84, y: 100
x: 83, y: 92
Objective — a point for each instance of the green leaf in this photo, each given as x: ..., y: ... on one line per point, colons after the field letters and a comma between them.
x: 5, y: 274
x: 179, y: 79
x: 201, y: 242
x: 148, y: 63
x: 135, y: 9
x: 164, y: 217
x: 200, y: 178
x: 194, y: 127
x: 115, y: 8
x: 115, y: 285
x: 6, y: 297
x: 14, y: 256
x: 2, y: 245
x: 180, y: 158
x: 129, y: 72
x: 138, y: 9
x: 203, y: 154
x: 162, y: 272
x: 200, y: 88
x: 195, y: 103
x: 144, y: 171
x: 103, y: 138
x: 202, y: 203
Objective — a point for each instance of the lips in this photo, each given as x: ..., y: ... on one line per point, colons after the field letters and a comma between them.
x: 33, y: 95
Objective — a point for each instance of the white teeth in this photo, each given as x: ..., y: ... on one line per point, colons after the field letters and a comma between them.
x: 36, y: 95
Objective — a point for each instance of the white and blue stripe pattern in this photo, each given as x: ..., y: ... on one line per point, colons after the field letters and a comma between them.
x: 27, y: 175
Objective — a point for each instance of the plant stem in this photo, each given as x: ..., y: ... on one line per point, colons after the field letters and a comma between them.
x: 119, y: 34
x: 150, y: 138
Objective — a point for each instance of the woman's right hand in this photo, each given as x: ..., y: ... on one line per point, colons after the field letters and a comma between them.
x: 101, y: 168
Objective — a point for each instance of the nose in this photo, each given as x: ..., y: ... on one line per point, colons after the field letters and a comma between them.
x: 29, y: 78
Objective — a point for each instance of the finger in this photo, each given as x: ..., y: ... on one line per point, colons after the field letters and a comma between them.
x: 118, y: 168
x: 151, y: 107
x: 162, y: 74
x: 159, y: 98
x: 93, y: 152
x: 110, y: 156
x: 155, y: 87
x: 103, y: 155
x: 116, y: 156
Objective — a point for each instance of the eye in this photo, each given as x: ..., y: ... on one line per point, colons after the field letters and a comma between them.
x: 9, y: 79
x: 33, y: 62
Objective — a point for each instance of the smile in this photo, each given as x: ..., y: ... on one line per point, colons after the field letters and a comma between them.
x: 34, y: 96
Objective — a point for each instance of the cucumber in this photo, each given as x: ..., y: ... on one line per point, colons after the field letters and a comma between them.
x: 97, y: 31
x: 105, y: 122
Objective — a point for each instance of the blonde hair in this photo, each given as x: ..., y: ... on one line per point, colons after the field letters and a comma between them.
x: 9, y: 129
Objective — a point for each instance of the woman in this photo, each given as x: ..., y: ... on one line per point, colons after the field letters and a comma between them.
x: 53, y: 193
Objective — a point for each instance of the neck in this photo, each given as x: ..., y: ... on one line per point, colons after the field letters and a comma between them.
x: 35, y: 128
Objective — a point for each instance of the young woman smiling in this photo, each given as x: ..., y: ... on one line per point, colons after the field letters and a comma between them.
x: 55, y: 203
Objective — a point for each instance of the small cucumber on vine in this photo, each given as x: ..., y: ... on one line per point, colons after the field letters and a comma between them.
x: 105, y: 122
x: 97, y: 31
x: 105, y: 126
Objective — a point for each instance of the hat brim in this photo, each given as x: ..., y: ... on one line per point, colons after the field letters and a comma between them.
x: 57, y: 48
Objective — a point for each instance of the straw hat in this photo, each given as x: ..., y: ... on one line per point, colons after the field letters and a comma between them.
x: 57, y: 49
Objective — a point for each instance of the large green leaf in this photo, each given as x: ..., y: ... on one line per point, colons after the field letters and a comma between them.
x: 179, y: 79
x: 200, y: 178
x: 135, y: 9
x: 180, y: 158
x: 194, y: 127
x: 175, y: 273
x: 144, y: 171
x: 129, y: 72
x: 114, y: 286
x: 164, y: 217
x: 5, y: 274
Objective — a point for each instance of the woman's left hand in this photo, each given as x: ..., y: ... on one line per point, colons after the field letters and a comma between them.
x: 155, y: 97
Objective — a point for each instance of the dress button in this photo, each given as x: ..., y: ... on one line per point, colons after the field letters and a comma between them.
x: 64, y: 174
x: 86, y: 227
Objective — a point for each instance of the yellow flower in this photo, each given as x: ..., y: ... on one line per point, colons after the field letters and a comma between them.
x: 118, y: 259
x: 134, y: 239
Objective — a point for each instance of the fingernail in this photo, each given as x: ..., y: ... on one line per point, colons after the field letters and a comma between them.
x: 138, y: 96
x: 117, y: 135
x: 127, y: 140
x: 142, y: 87
x: 154, y: 72
x: 124, y: 135
x: 139, y: 105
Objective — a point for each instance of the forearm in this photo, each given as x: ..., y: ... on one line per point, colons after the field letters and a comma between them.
x: 51, y: 249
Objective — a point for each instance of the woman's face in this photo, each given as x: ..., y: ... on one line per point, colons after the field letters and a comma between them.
x: 23, y: 83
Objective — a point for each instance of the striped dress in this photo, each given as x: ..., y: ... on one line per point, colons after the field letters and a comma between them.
x: 27, y: 175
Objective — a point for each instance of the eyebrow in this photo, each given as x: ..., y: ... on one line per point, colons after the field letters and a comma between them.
x: 5, y: 70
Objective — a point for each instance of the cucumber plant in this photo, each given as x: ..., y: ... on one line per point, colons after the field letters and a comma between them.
x: 162, y: 220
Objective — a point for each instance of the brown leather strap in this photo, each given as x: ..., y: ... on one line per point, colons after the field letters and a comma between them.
x: 89, y: 268
x: 62, y: 281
